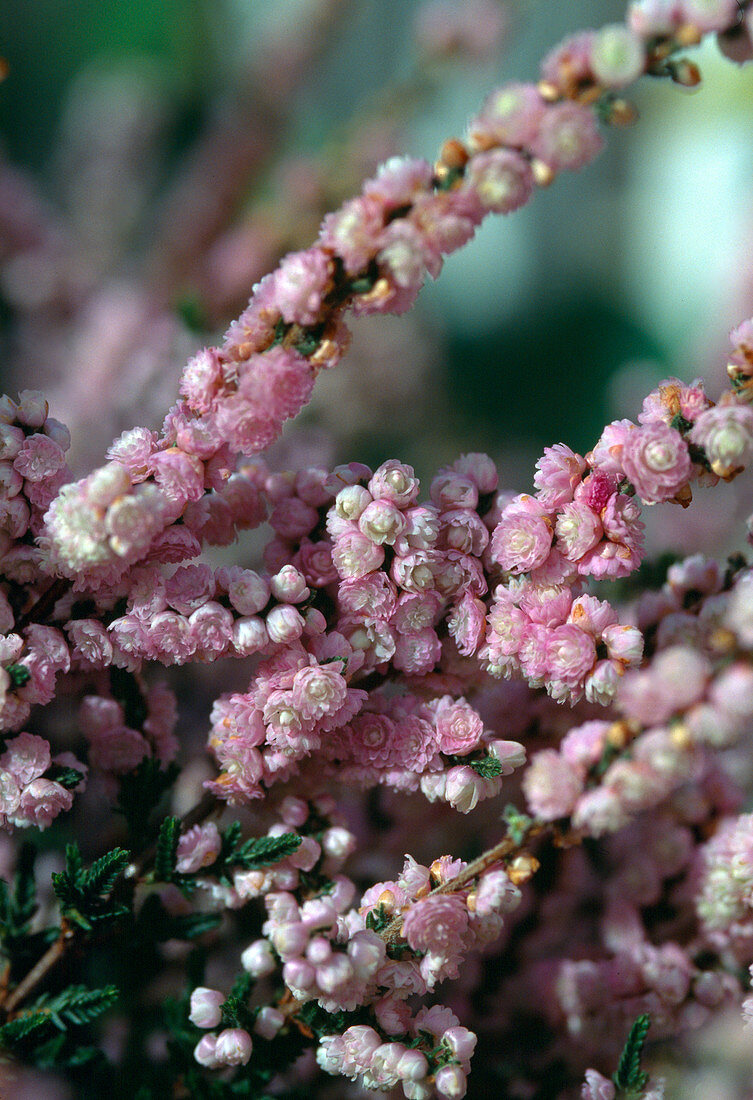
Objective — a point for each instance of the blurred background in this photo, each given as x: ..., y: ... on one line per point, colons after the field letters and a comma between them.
x: 159, y: 156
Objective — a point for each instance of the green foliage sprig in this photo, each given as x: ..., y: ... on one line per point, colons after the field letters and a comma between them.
x: 85, y: 896
x: 629, y: 1079
x: 253, y: 854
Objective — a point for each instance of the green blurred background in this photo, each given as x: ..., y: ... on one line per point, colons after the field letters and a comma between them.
x: 551, y: 321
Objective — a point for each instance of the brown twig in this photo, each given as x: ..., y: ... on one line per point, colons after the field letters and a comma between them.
x: 501, y: 850
x: 41, y: 969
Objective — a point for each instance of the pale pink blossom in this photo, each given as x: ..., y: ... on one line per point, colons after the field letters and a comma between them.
x: 552, y: 785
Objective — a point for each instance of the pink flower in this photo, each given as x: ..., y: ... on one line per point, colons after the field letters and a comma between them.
x: 521, y: 542
x: 319, y: 690
x: 353, y: 231
x: 355, y: 555
x: 38, y: 458
x: 610, y: 559
x: 569, y: 62
x: 212, y: 628
x: 26, y: 758
x: 510, y: 116
x: 314, y: 559
x: 450, y: 1081
x: 656, y: 461
x: 300, y: 284
x: 414, y: 572
x: 606, y: 457
x: 437, y: 924
x: 467, y: 624
x: 567, y: 136
x: 597, y: 1087
x: 617, y: 55
x: 381, y: 522
x: 532, y: 652
x: 201, y: 379
x: 552, y: 786
x: 570, y: 654
x: 117, y: 749
x: 180, y: 476
x: 233, y: 1048
x: 90, y: 642
x: 421, y: 529
x: 578, y: 529
x: 502, y: 179
x: 205, y: 1007
x: 41, y: 802
x: 624, y: 643
x: 371, y: 738
x: 673, y: 398
x: 676, y: 679
x: 402, y: 258
x: 198, y: 847
x: 292, y: 518
x: 558, y: 474
x: 459, y: 727
x: 726, y: 435
x: 417, y: 654
x: 495, y: 893
x: 451, y: 489
x: 372, y: 596
x: 464, y: 788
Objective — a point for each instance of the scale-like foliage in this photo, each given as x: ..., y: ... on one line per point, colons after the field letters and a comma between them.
x: 167, y: 849
x: 75, y: 1006
x: 629, y: 1078
x: 85, y: 895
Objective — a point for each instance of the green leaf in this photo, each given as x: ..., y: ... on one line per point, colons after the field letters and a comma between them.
x: 308, y: 343
x: 19, y: 675
x: 22, y: 1026
x: 234, y: 1010
x: 79, y: 1005
x: 66, y: 883
x: 266, y: 850
x: 378, y: 919
x: 488, y: 767
x: 74, y: 1007
x: 517, y: 823
x: 167, y: 849
x: 230, y: 839
x: 103, y: 873
x: 84, y: 895
x: 628, y: 1076
x: 66, y: 777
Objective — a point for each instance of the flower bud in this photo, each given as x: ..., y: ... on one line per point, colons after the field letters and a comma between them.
x: 257, y: 959
x: 234, y: 1046
x: 268, y: 1022
x: 205, y: 1052
x: 450, y: 1081
x: 205, y: 1007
